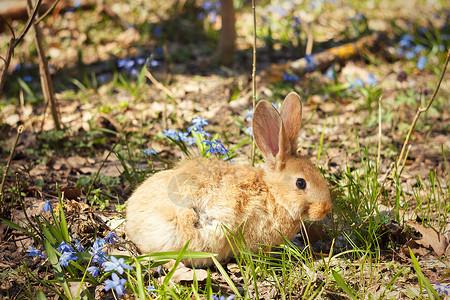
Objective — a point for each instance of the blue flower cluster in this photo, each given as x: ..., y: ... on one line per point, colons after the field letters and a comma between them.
x: 27, y: 69
x: 215, y: 147
x: 99, y: 257
x: 441, y: 288
x: 47, y: 207
x: 210, y: 9
x: 290, y: 78
x: 409, y: 50
x: 370, y: 80
x: 35, y: 252
x: 231, y: 297
x: 311, y: 64
x: 133, y: 66
x: 197, y: 127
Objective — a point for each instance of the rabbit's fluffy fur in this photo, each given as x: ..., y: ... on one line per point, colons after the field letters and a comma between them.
x: 192, y: 201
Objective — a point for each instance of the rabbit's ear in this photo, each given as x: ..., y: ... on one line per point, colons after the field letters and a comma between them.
x: 291, y: 115
x: 269, y: 133
x: 266, y: 126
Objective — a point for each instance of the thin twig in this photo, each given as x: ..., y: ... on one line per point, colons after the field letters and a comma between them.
x: 421, y: 110
x: 160, y: 86
x: 47, y: 12
x: 99, y: 169
x: 254, y: 75
x: 9, y: 26
x: 8, y: 164
x: 14, y: 42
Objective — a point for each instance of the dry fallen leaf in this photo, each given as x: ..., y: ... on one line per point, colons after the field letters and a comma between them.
x: 430, y: 238
x: 185, y: 274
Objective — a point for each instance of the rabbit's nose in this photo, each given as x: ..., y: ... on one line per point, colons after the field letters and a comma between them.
x: 318, y: 210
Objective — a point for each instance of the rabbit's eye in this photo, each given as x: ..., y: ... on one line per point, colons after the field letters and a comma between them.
x: 301, y: 183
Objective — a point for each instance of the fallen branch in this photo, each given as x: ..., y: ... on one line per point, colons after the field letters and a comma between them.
x: 325, y: 59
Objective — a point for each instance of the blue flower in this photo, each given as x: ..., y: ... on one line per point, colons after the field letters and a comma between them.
x: 400, y: 51
x: 220, y: 148
x: 151, y: 289
x: 76, y: 3
x: 357, y: 82
x: 421, y: 62
x: 207, y: 143
x: 78, y: 246
x: 35, y: 252
x: 157, y: 31
x: 47, y: 207
x: 111, y: 237
x: 201, y: 15
x: 249, y: 131
x: 159, y: 50
x: 371, y: 79
x: 93, y: 271
x: 66, y: 258
x: 116, y: 265
x: 134, y: 72
x: 198, y: 123
x: 215, y: 147
x: 419, y: 48
x: 444, y: 289
x: 27, y: 78
x: 102, y: 78
x: 140, y: 60
x: 98, y: 256
x: 297, y: 22
x: 191, y: 140
x: 154, y: 63
x: 207, y: 5
x: 212, y: 17
x: 171, y: 133
x: 290, y: 78
x: 150, y: 151
x: 329, y: 73
x: 116, y: 283
x: 231, y: 297
x: 410, y: 55
x: 249, y: 115
x: 310, y: 63
x: 64, y: 247
x: 406, y: 41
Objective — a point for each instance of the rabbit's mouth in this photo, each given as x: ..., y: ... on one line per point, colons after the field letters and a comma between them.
x: 316, y: 211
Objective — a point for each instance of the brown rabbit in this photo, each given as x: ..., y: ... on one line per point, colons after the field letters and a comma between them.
x: 192, y: 201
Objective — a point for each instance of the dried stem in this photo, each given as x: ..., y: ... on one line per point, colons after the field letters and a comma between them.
x: 160, y: 85
x: 46, y: 82
x: 379, y: 133
x: 8, y: 164
x: 14, y: 42
x: 254, y: 75
x: 419, y: 111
